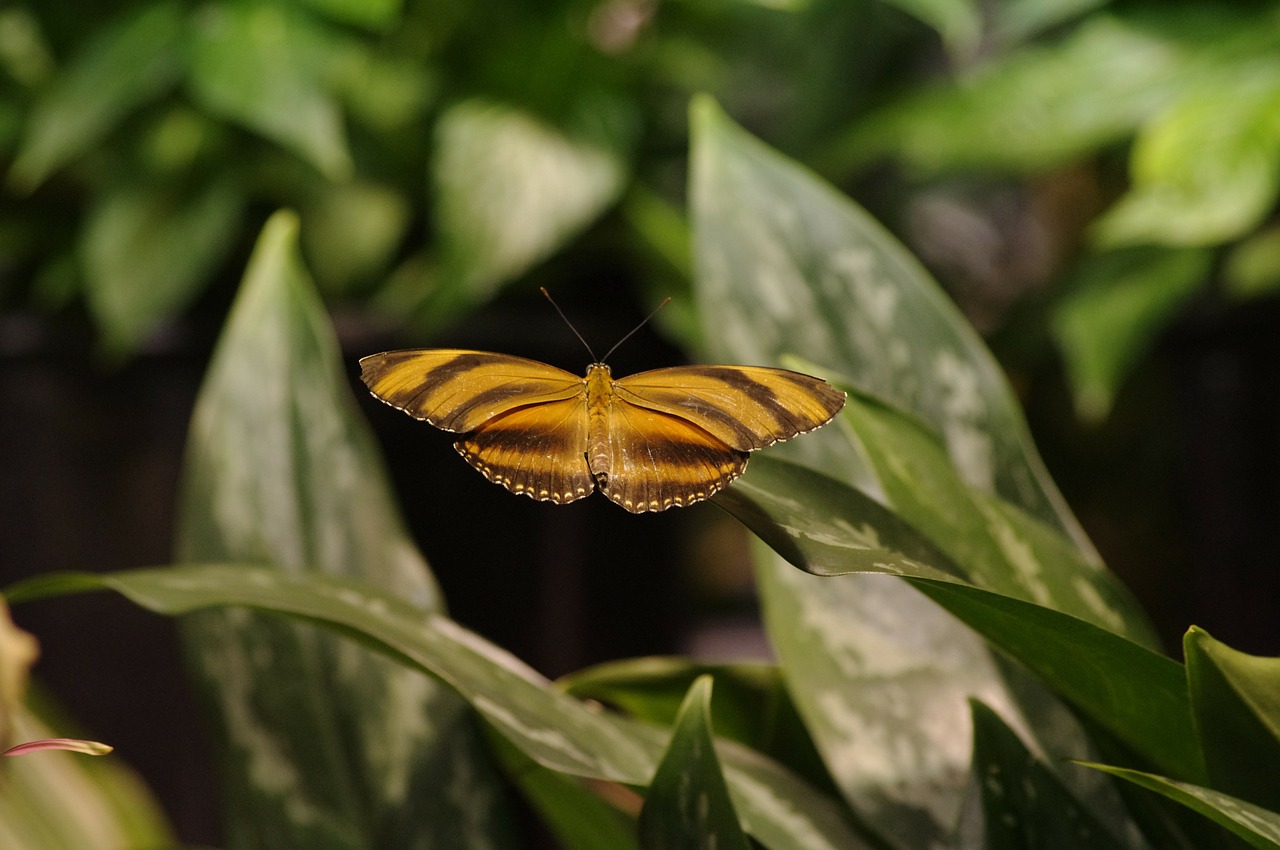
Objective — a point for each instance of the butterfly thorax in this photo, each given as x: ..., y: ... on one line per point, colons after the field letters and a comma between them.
x: 599, y: 395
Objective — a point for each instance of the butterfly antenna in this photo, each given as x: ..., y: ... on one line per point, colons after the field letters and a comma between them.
x: 594, y: 359
x: 636, y: 328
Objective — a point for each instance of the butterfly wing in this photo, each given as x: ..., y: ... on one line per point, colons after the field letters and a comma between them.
x: 537, y: 450
x: 458, y: 390
x: 659, y: 460
x: 747, y: 407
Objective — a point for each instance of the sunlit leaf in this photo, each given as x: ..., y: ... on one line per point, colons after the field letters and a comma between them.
x: 1236, y: 701
x: 1042, y: 106
x: 778, y: 809
x: 688, y: 806
x: 1256, y: 825
x: 265, y: 66
x: 148, y: 250
x: 513, y: 188
x: 126, y: 64
x: 1207, y: 170
x: 1120, y: 301
x: 282, y: 469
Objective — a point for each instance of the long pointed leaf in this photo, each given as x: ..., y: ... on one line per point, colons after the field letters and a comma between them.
x: 324, y: 745
x: 778, y: 809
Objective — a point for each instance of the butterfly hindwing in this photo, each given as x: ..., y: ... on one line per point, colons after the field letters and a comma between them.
x: 748, y: 407
x: 538, y: 451
x: 659, y: 461
x: 458, y: 390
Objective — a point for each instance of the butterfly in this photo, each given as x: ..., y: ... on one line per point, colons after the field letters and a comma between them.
x: 649, y: 441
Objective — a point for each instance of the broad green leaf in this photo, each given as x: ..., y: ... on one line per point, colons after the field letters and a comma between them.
x: 778, y: 809
x: 132, y: 61
x: 959, y: 22
x: 750, y: 704
x: 1236, y: 701
x: 265, y: 66
x: 1256, y: 825
x: 1034, y: 109
x: 324, y: 744
x: 1120, y: 302
x: 511, y: 189
x: 688, y: 804
x: 1025, y: 805
x: 579, y: 817
x: 59, y: 800
x: 786, y: 266
x: 1135, y: 693
x: 994, y: 544
x: 148, y: 250
x: 1206, y: 170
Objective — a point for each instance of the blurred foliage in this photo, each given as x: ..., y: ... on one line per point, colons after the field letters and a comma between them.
x: 434, y: 150
x: 439, y: 150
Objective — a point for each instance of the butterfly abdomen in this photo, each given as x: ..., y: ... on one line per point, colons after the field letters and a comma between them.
x: 599, y: 396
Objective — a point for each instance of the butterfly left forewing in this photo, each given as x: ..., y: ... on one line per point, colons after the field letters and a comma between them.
x: 747, y: 407
x: 658, y: 460
x: 457, y: 390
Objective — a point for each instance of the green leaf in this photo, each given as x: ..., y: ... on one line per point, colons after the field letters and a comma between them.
x: 579, y: 818
x: 558, y: 732
x: 1025, y: 805
x: 1252, y: 268
x: 1035, y: 109
x: 1256, y: 825
x: 959, y: 22
x: 1236, y: 701
x: 351, y: 231
x: 56, y: 800
x: 751, y: 704
x: 265, y: 66
x: 994, y: 545
x: 688, y: 804
x: 511, y: 189
x: 127, y: 64
x: 147, y: 251
x: 1137, y: 694
x: 1119, y: 303
x: 1017, y: 21
x: 375, y: 14
x: 1207, y: 170
x: 282, y: 469
x: 787, y: 266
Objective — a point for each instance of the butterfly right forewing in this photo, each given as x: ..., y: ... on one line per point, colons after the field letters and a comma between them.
x: 749, y: 407
x: 458, y: 390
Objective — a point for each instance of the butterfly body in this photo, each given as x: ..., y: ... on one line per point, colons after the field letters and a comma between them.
x: 650, y: 441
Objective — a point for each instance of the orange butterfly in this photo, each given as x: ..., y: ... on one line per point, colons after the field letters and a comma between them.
x: 647, y: 441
